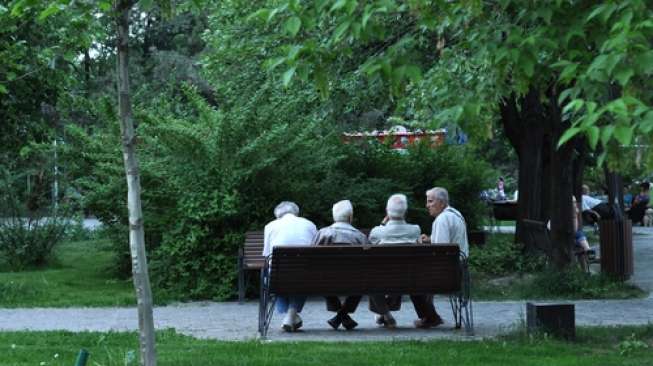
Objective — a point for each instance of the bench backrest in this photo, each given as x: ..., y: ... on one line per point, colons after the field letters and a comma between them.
x: 351, y: 270
x: 253, y: 250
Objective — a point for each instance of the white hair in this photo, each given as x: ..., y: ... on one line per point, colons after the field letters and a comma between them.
x: 342, y: 211
x: 439, y: 194
x: 286, y: 207
x: 397, y: 206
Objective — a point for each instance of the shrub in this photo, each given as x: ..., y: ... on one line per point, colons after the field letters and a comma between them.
x: 27, y: 238
x: 573, y: 282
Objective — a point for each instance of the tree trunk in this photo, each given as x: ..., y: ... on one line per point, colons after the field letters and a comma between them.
x: 561, y: 189
x: 136, y: 231
x: 526, y: 134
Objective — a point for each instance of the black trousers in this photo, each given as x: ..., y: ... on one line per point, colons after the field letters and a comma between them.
x: 423, y: 305
x: 348, y: 306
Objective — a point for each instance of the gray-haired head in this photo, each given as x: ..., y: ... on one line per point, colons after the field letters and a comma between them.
x: 286, y: 207
x: 343, y: 211
x: 397, y: 206
x: 439, y: 194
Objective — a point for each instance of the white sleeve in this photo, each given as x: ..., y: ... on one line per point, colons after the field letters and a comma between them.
x: 441, y: 233
x: 266, y: 241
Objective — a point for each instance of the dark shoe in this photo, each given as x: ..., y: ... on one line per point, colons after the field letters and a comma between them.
x: 379, y: 320
x: 428, y: 323
x: 348, y: 322
x: 335, y: 322
x: 389, y: 322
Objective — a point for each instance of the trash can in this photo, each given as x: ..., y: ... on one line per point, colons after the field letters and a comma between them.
x: 616, y: 248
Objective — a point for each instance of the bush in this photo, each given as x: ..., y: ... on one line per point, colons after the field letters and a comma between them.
x: 574, y: 282
x: 225, y: 175
x: 27, y: 238
x: 502, y: 256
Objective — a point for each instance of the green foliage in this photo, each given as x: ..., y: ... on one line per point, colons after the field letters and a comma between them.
x: 457, y: 61
x: 574, y: 282
x: 26, y: 238
x: 501, y: 256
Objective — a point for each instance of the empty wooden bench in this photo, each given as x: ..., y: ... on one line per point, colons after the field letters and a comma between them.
x: 355, y: 270
x: 250, y: 258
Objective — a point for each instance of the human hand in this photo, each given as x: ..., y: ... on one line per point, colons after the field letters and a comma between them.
x: 385, y: 220
x: 425, y: 238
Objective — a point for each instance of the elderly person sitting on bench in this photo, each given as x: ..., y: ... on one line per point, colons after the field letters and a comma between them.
x: 395, y: 230
x: 288, y: 229
x: 341, y: 232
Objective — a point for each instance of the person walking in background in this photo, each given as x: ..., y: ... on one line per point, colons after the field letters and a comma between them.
x: 288, y: 229
x: 341, y: 232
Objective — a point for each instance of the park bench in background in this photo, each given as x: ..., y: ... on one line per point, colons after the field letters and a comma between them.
x: 250, y: 258
x: 353, y: 270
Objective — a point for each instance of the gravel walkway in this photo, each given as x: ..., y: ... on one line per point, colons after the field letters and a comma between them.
x: 230, y: 321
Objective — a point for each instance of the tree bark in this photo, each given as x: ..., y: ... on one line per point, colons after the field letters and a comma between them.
x: 561, y: 188
x: 136, y: 231
x: 525, y: 132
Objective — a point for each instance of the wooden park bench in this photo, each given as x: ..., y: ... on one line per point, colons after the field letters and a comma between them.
x: 250, y: 258
x: 370, y: 269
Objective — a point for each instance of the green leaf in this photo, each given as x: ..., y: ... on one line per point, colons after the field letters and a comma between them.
x: 646, y: 125
x: 367, y: 13
x: 575, y: 105
x: 593, y: 136
x: 414, y: 73
x: 624, y: 75
x: 340, y: 30
x: 261, y: 14
x: 568, y: 135
x: 606, y: 134
x: 292, y: 25
x: 564, y: 95
x: 601, y: 158
x: 338, y: 5
x: 145, y: 5
x: 287, y: 76
x: 644, y: 62
x: 50, y: 10
x: 3, y: 89
x: 569, y: 72
x: 273, y: 63
x: 105, y: 6
x: 623, y: 134
x: 528, y: 65
x: 351, y: 6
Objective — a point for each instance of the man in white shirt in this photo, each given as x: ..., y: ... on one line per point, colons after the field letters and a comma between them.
x: 449, y: 225
x: 594, y: 209
x: 288, y: 229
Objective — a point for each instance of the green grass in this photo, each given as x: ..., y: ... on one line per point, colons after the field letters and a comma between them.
x: 594, y: 346
x: 79, y: 276
x: 541, y: 286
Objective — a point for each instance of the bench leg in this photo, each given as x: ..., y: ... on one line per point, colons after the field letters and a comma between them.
x: 266, y: 305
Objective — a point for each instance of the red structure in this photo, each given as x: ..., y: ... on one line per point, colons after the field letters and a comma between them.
x: 399, y: 137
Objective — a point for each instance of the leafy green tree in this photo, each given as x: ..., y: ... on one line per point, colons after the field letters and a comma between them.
x: 551, y: 71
